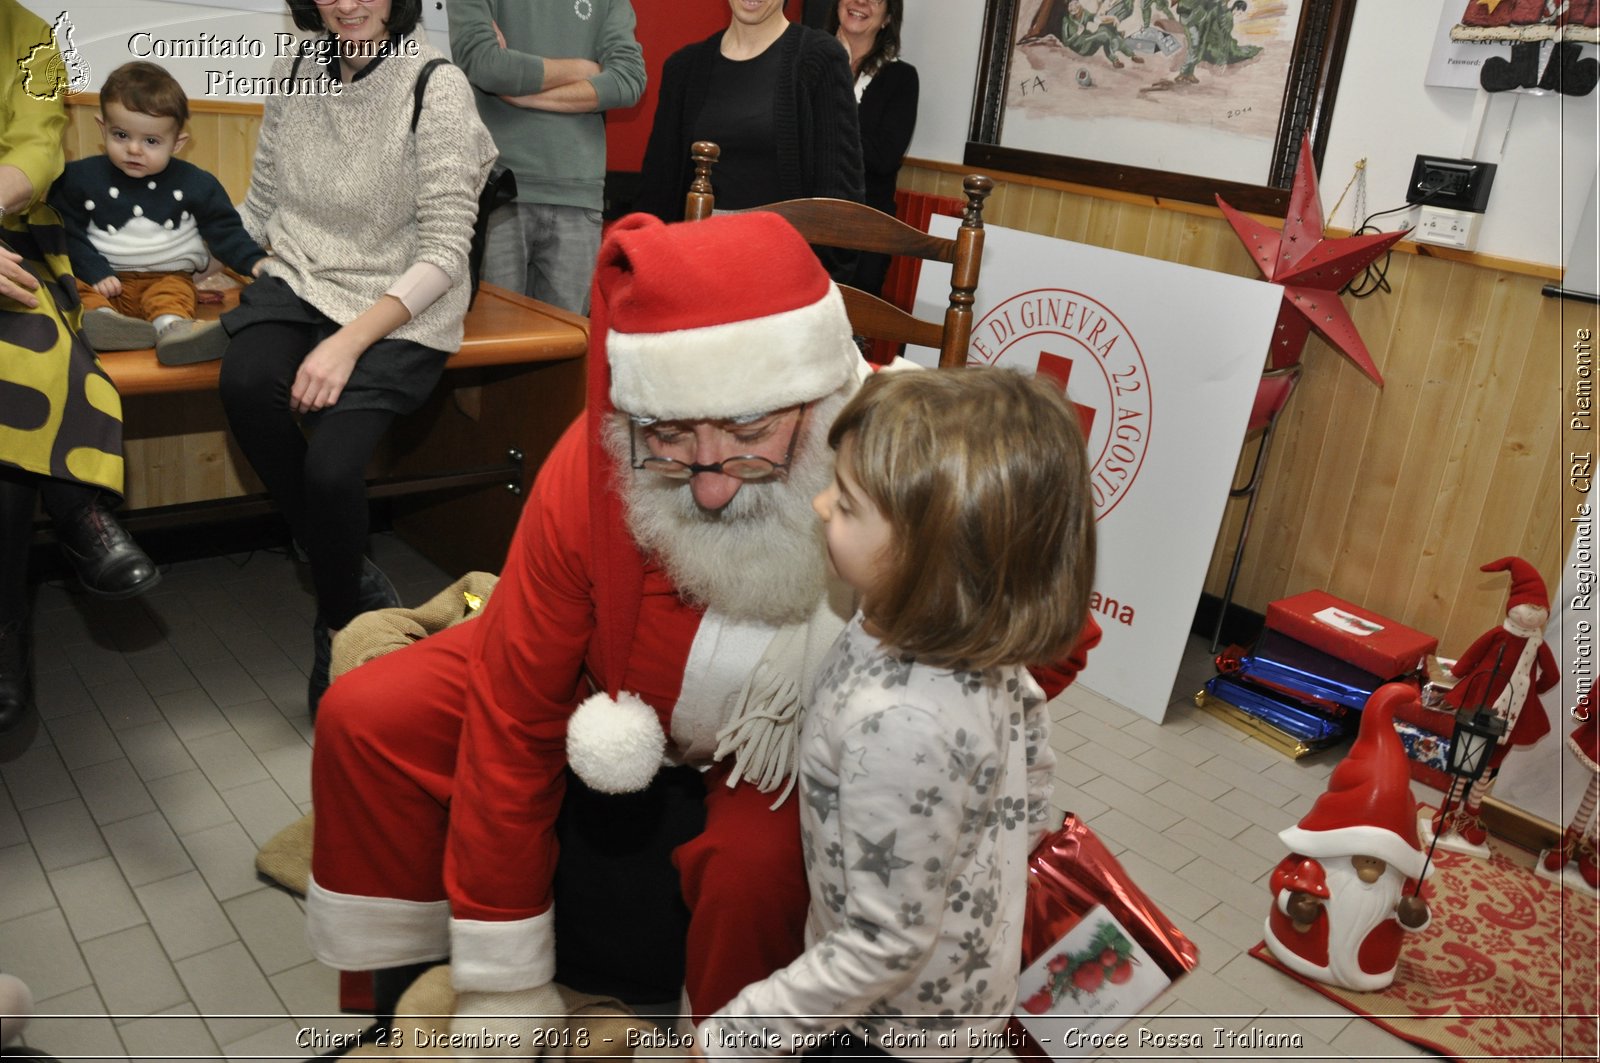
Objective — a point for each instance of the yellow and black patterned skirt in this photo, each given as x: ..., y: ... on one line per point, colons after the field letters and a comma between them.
x: 60, y: 415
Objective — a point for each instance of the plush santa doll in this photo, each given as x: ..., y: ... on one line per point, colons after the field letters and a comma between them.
x: 1343, y: 898
x: 1506, y: 669
x: 1579, y: 841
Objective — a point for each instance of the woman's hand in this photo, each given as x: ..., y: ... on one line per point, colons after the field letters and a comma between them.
x: 110, y: 287
x: 324, y: 373
x: 255, y: 270
x: 15, y: 280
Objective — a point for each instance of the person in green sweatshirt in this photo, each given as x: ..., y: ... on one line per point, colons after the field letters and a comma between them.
x: 545, y: 72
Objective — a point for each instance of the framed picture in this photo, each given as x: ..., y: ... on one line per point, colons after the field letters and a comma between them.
x: 1179, y: 99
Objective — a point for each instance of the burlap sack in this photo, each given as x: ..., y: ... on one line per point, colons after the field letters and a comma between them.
x: 382, y: 630
x: 286, y: 858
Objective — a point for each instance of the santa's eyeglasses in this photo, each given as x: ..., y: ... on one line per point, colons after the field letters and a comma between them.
x: 740, y: 467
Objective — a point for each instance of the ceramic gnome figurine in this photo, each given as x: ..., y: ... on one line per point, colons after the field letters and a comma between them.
x: 1340, y: 900
x: 1579, y: 842
x: 1506, y: 669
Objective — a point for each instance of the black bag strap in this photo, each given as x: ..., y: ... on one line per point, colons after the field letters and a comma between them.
x: 416, y: 93
x: 422, y: 87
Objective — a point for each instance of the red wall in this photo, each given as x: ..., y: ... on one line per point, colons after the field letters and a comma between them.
x: 664, y: 27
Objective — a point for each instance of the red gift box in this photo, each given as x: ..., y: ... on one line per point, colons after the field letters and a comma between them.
x: 1368, y: 640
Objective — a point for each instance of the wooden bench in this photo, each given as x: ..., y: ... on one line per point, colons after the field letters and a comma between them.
x: 502, y: 328
x: 453, y: 474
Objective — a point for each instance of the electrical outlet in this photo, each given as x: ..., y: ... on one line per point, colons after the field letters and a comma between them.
x: 1447, y: 228
x: 1458, y: 184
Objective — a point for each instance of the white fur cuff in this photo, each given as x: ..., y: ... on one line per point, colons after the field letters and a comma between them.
x: 353, y: 933
x: 496, y: 957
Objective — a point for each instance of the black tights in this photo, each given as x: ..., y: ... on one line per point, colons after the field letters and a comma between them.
x: 317, y: 477
x: 20, y: 492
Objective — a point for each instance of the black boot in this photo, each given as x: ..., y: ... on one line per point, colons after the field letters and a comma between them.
x: 1568, y: 72
x: 321, y: 659
x: 109, y: 563
x: 1521, y: 71
x: 16, y: 675
x: 376, y: 590
x: 389, y: 984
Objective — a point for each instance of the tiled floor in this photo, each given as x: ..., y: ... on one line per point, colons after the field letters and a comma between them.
x: 174, y: 740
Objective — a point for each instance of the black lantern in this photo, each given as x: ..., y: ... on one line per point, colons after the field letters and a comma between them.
x: 1478, y: 731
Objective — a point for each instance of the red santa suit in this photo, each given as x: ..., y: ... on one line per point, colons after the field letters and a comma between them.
x: 439, y: 769
x: 1509, y: 666
x: 1367, y: 811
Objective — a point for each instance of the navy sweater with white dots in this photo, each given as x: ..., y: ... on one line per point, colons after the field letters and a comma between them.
x: 154, y: 224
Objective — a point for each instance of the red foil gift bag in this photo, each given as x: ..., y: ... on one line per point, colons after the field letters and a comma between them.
x: 1070, y: 873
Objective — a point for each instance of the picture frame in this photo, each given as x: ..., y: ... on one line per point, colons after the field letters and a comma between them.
x: 1132, y: 127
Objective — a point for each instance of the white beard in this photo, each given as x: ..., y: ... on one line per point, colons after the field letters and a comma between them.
x: 1354, y: 909
x: 762, y: 556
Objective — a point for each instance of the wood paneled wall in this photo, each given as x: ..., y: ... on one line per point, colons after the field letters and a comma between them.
x: 1391, y: 498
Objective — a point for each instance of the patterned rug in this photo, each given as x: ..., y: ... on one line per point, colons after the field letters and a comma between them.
x: 1507, y: 969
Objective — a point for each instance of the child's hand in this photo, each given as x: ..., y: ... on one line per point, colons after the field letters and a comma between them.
x: 255, y: 270
x: 111, y: 287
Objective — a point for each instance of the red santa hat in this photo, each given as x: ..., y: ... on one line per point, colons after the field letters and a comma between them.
x: 1368, y: 809
x: 1527, y: 586
x: 729, y: 317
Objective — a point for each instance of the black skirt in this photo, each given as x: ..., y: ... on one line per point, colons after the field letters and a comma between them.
x: 395, y: 375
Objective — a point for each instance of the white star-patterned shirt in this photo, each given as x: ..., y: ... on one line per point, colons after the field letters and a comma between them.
x: 923, y: 791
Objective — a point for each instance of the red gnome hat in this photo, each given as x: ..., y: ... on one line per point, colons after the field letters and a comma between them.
x: 1368, y: 809
x: 1527, y: 586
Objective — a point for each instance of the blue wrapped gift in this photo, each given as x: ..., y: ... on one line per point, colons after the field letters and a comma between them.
x: 1305, y: 724
x: 1304, y: 673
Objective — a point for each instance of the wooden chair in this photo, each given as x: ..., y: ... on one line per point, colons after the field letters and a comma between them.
x: 857, y: 227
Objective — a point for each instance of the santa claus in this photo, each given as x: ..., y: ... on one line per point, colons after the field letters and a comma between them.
x: 665, y: 600
x: 1343, y: 897
x: 1506, y: 669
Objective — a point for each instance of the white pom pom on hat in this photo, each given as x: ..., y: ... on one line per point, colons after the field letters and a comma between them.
x: 615, y: 745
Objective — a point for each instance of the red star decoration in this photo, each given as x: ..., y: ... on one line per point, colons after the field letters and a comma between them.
x: 1312, y: 269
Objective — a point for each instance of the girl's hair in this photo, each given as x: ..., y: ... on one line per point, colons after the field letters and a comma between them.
x: 886, y: 46
x: 983, y: 477
x: 403, y: 15
x: 148, y: 89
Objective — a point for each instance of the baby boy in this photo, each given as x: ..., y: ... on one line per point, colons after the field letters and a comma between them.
x: 139, y: 223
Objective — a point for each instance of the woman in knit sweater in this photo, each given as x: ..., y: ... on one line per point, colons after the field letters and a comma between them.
x: 369, y: 224
x: 774, y: 96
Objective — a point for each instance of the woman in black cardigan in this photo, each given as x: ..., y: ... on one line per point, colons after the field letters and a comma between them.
x: 775, y: 97
x: 887, y: 90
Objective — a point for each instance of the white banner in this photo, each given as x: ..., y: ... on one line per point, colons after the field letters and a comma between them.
x: 1165, y: 360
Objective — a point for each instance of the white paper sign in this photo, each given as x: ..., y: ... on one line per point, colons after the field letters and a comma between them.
x: 1085, y: 986
x: 1165, y: 359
